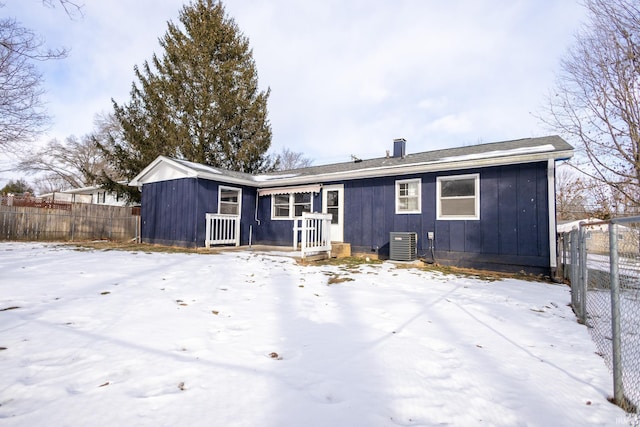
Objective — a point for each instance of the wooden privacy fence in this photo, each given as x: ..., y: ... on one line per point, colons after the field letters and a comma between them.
x: 79, y: 222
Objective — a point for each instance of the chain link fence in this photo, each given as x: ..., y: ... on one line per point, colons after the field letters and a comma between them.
x: 601, y: 260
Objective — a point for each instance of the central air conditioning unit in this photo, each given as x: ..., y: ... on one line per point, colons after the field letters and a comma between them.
x: 402, y: 246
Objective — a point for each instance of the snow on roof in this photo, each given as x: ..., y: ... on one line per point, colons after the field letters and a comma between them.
x: 198, y: 166
x: 266, y: 178
x: 499, y: 153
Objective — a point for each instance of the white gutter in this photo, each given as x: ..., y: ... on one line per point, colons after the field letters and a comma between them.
x: 551, y: 195
x: 371, y: 172
x: 421, y: 167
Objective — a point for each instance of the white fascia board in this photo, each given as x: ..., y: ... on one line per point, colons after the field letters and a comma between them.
x: 423, y: 167
x: 162, y: 169
x: 165, y: 169
x: 81, y: 190
x: 227, y: 179
x: 139, y: 179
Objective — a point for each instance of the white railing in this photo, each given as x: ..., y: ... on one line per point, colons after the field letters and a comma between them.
x: 222, y: 229
x: 315, y: 233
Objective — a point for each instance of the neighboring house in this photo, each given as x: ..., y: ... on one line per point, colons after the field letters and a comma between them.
x: 597, y: 235
x: 94, y: 194
x: 488, y: 206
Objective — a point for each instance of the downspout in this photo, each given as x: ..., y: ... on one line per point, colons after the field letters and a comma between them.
x: 195, y: 225
x: 551, y: 195
x: 256, y: 219
x: 256, y: 215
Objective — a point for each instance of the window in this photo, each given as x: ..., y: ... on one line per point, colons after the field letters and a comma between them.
x: 290, y: 206
x: 333, y: 205
x: 301, y: 203
x: 229, y: 200
x: 408, y: 196
x: 102, y: 197
x: 458, y: 197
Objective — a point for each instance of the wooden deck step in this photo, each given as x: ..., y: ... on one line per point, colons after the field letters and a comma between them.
x: 340, y: 250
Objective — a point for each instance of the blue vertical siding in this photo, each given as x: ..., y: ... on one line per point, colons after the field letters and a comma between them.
x: 277, y: 232
x: 527, y: 212
x: 490, y: 212
x: 507, y: 209
x: 512, y: 233
x: 543, y: 213
x: 173, y: 212
x: 168, y: 212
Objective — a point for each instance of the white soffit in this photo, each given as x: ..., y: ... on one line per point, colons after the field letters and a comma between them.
x: 315, y: 188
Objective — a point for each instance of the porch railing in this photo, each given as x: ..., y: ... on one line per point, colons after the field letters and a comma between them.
x: 222, y: 229
x: 315, y: 233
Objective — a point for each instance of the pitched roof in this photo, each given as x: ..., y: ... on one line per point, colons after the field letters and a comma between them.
x: 472, y: 156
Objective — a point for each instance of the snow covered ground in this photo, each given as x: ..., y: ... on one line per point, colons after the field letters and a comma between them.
x: 116, y: 338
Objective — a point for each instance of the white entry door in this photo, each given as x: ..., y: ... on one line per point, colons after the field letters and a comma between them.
x: 333, y: 203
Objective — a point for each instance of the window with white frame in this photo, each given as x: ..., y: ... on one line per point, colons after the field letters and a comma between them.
x: 408, y: 196
x: 290, y: 206
x: 458, y: 197
x: 229, y: 200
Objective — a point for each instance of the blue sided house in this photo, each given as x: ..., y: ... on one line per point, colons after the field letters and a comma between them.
x: 487, y: 206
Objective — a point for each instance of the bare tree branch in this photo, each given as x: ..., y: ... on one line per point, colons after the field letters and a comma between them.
x: 71, y: 8
x: 597, y: 98
x: 73, y: 164
x: 288, y: 159
x: 22, y: 113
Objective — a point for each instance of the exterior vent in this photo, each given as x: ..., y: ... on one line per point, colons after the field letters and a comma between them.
x: 402, y: 246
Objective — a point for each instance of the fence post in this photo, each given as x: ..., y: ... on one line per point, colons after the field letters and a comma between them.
x: 110, y: 224
x: 305, y: 227
x: 295, y: 234
x: 583, y: 278
x: 73, y: 221
x: 618, y: 391
x: 573, y: 272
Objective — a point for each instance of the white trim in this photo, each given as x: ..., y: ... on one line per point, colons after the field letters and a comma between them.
x: 162, y: 169
x: 418, y: 196
x: 476, y: 216
x: 239, y: 190
x: 418, y: 167
x: 439, y: 165
x: 337, y: 230
x: 551, y: 196
x: 292, y: 206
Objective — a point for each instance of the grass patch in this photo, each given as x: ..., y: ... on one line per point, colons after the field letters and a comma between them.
x: 486, y: 275
x: 346, y: 262
x: 335, y: 278
x: 105, y: 245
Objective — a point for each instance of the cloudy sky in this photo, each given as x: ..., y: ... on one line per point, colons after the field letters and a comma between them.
x: 346, y: 77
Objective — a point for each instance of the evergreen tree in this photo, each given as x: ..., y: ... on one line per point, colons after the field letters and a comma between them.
x: 200, y: 101
x: 18, y: 186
